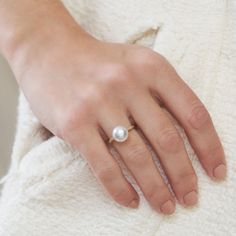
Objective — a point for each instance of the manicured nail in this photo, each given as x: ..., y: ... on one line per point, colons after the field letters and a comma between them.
x: 191, y: 198
x: 168, y: 207
x: 134, y: 203
x: 220, y: 172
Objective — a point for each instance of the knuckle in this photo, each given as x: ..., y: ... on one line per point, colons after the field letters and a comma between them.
x: 189, y: 180
x: 163, y: 66
x: 214, y: 154
x: 151, y: 194
x: 156, y: 192
x: 170, y: 140
x: 69, y: 122
x: 147, y: 59
x: 121, y: 195
x: 116, y: 76
x: 106, y: 173
x: 198, y: 116
x: 138, y: 154
x: 90, y: 98
x: 152, y: 61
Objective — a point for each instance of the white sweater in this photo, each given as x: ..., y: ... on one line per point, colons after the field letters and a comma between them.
x: 49, y: 189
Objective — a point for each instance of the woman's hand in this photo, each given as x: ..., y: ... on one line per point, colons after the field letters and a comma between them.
x: 81, y: 88
x: 78, y: 91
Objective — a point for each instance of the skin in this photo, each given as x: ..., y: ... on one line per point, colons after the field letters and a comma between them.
x: 80, y: 88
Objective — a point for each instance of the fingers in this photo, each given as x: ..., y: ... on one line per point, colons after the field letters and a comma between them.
x: 139, y: 161
x: 105, y: 168
x: 195, y: 119
x: 167, y: 142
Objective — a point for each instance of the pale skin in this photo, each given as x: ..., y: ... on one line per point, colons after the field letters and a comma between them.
x: 80, y: 88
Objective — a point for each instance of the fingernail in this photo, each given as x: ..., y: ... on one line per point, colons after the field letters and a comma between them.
x: 134, y: 203
x: 168, y: 207
x: 220, y: 172
x: 191, y: 198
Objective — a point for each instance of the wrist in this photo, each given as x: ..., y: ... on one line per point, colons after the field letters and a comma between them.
x: 35, y: 29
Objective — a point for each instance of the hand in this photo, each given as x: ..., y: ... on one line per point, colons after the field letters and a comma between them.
x: 80, y: 88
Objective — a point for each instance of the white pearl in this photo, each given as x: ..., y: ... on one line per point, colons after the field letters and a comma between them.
x: 120, y: 133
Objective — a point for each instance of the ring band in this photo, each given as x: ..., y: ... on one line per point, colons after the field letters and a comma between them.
x: 120, y: 133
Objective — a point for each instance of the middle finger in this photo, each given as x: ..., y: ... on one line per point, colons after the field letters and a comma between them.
x: 167, y: 142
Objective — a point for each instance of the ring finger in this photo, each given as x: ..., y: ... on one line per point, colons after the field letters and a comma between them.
x: 168, y: 143
x: 138, y: 160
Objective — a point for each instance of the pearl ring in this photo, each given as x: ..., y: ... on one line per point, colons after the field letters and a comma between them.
x: 120, y: 133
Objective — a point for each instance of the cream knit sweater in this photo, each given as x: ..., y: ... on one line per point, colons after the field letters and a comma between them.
x: 49, y: 189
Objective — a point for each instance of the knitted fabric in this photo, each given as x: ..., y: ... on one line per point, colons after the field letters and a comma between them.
x: 49, y: 189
